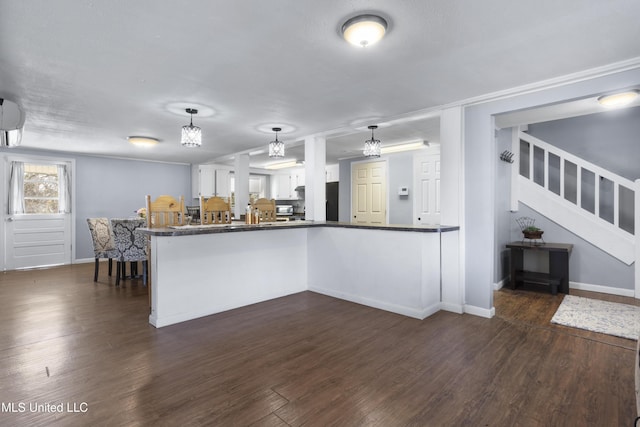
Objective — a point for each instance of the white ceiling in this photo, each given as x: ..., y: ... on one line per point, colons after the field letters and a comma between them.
x: 90, y: 73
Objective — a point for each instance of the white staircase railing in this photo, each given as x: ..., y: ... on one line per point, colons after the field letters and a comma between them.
x: 591, y: 202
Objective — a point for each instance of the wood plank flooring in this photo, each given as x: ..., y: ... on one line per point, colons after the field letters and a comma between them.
x: 306, y: 359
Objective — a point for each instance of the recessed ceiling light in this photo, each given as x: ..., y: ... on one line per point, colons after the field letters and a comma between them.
x: 364, y: 30
x: 142, y: 141
x: 618, y: 99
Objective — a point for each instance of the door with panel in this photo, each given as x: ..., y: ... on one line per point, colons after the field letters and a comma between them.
x: 38, y: 228
x: 369, y: 193
x: 427, y: 198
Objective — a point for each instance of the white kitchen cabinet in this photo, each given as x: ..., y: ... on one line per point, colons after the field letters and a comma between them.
x: 208, y: 181
x: 281, y: 186
x: 297, y: 178
x: 203, y: 181
x: 255, y: 184
x: 222, y: 183
x: 332, y: 173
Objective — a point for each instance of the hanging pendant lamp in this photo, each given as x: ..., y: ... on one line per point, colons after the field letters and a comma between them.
x: 191, y: 135
x: 372, y: 146
x: 276, y: 148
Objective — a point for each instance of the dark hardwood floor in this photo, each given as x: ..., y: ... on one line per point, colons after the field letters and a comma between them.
x: 306, y: 359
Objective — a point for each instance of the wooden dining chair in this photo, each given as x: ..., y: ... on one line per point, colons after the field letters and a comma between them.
x: 165, y: 211
x: 214, y: 211
x: 266, y: 209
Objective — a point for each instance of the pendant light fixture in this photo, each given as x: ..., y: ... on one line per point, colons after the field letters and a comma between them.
x: 191, y: 135
x: 372, y: 146
x: 276, y: 148
x: 364, y: 30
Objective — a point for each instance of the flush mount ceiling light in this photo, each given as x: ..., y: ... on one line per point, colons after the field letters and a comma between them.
x: 276, y: 148
x: 142, y: 141
x: 282, y: 165
x: 618, y: 99
x: 364, y: 30
x: 372, y: 146
x: 191, y: 135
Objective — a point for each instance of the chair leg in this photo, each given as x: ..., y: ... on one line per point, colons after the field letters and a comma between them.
x: 95, y: 270
x: 144, y: 273
x: 118, y: 268
x: 110, y: 265
x: 134, y: 269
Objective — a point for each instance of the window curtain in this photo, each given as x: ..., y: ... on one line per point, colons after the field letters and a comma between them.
x: 16, y: 188
x: 64, y: 189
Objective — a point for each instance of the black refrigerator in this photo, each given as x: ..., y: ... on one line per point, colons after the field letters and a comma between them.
x: 332, y: 201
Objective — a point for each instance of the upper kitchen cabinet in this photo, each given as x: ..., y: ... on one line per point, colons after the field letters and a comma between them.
x: 209, y: 181
x: 223, y: 187
x: 332, y: 173
x: 283, y: 185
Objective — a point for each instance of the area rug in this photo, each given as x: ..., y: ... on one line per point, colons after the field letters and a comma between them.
x: 621, y: 320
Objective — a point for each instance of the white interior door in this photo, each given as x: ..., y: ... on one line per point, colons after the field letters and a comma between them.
x: 37, y: 240
x: 369, y: 193
x: 427, y: 199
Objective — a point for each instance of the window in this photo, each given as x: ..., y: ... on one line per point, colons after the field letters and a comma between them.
x: 39, y: 188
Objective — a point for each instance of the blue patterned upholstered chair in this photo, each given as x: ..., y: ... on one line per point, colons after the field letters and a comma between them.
x: 131, y: 246
x: 104, y: 246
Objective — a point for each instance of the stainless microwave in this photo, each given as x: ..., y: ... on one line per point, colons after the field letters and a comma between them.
x: 284, y: 210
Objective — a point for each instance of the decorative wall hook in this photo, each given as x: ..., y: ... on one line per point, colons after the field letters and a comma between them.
x: 506, y: 156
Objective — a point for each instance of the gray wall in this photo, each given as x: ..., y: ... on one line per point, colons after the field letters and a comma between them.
x: 116, y: 188
x: 399, y: 173
x: 480, y: 155
x: 614, y: 132
x: 587, y: 263
x: 502, y: 206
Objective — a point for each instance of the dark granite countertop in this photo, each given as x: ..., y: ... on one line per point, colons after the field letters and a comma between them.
x: 189, y: 230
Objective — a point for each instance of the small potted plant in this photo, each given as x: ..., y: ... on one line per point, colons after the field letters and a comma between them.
x: 532, y: 232
x: 529, y: 230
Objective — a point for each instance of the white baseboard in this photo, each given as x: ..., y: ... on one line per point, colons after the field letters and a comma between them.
x: 478, y: 311
x: 453, y: 308
x: 602, y: 289
x: 84, y: 260
x: 500, y: 284
x: 393, y: 308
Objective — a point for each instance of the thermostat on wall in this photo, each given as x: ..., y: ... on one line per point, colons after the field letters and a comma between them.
x: 403, y: 191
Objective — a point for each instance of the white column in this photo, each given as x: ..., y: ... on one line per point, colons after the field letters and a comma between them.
x: 451, y: 166
x: 451, y: 208
x: 515, y: 168
x: 315, y: 160
x: 636, y: 228
x: 241, y: 183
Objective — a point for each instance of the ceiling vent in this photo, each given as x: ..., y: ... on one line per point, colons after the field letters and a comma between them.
x: 11, y: 123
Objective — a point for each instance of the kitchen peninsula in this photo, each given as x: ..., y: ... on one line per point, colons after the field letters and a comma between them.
x: 201, y: 270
